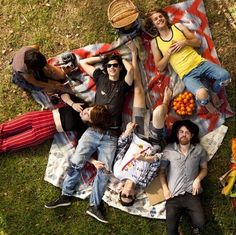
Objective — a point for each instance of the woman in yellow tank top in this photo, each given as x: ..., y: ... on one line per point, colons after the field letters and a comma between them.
x: 175, y: 45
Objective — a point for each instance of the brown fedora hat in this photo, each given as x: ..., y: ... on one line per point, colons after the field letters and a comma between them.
x: 122, y: 13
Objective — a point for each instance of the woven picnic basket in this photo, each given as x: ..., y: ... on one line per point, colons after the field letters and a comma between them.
x: 122, y: 13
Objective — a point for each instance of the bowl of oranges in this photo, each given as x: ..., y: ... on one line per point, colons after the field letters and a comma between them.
x: 184, y: 104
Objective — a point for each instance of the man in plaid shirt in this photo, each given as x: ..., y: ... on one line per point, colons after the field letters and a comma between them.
x: 138, y: 153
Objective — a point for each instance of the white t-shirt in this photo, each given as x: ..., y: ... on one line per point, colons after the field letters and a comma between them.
x: 129, y: 167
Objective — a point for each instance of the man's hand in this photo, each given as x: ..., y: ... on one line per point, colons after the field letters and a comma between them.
x: 176, y: 46
x: 140, y: 157
x: 196, y: 186
x: 129, y: 129
x: 167, y: 194
x: 130, y: 44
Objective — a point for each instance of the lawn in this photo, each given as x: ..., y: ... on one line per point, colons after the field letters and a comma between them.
x: 58, y: 26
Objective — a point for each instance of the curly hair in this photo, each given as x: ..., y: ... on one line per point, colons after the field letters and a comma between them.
x: 34, y: 60
x: 149, y: 26
x: 192, y: 127
x: 100, y: 117
x: 118, y: 58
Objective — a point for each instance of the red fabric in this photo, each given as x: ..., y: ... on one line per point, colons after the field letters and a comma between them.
x: 192, y: 14
x: 27, y: 130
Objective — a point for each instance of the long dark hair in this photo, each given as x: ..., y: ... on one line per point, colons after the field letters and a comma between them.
x: 118, y: 58
x: 149, y: 26
x: 34, y: 60
x: 192, y: 127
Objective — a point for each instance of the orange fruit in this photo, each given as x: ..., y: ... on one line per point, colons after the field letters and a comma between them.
x: 192, y: 101
x: 184, y: 103
x: 189, y: 109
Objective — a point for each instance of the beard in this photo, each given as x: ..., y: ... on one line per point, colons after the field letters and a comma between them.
x: 184, y: 141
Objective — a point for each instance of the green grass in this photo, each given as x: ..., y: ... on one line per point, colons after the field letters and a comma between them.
x: 57, y: 26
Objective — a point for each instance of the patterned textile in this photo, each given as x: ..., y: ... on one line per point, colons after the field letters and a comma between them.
x: 126, y: 166
x: 192, y: 14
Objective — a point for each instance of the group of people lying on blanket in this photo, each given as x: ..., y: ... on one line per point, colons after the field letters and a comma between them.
x: 134, y: 156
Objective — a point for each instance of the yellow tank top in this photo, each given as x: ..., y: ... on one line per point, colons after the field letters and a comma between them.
x: 184, y: 60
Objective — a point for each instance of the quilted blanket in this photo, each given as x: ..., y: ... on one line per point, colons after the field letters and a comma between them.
x: 192, y: 14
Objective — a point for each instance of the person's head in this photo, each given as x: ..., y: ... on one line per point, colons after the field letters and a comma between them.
x: 34, y: 60
x: 113, y: 66
x: 156, y: 19
x: 97, y: 115
x: 127, y: 195
x: 184, y: 132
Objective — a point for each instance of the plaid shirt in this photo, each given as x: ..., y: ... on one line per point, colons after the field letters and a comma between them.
x: 149, y: 173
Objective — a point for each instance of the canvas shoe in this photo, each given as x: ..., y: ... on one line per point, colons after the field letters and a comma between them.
x: 63, y: 200
x: 96, y: 213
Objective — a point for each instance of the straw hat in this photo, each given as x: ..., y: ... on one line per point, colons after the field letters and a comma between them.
x: 122, y: 13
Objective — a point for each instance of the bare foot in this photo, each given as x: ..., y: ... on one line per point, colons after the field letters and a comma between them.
x: 167, y: 95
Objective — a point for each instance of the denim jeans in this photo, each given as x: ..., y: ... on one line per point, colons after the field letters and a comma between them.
x: 206, y: 71
x: 90, y: 142
x: 177, y: 205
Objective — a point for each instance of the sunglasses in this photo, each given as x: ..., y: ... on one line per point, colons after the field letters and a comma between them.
x: 116, y: 65
x: 132, y: 197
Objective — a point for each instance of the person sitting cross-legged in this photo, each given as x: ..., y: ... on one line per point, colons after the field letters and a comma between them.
x: 32, y: 72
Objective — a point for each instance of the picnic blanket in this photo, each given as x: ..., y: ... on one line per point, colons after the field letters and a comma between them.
x: 192, y: 14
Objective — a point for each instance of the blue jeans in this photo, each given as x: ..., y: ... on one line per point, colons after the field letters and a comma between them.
x: 177, y: 205
x: 90, y: 142
x: 206, y: 71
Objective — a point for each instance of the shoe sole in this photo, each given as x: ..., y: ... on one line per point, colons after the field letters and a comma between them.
x: 59, y: 205
x: 94, y: 216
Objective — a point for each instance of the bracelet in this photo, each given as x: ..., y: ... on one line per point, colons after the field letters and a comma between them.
x: 72, y: 104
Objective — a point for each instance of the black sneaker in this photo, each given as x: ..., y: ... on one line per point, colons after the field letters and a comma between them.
x: 63, y: 200
x: 95, y: 212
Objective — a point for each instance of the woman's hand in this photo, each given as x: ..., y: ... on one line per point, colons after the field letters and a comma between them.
x: 98, y: 164
x: 77, y: 107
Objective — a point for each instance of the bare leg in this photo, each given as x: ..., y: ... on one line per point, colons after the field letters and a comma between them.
x: 139, y: 96
x: 202, y: 94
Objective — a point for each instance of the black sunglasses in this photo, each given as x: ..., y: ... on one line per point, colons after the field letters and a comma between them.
x: 113, y: 65
x: 129, y: 196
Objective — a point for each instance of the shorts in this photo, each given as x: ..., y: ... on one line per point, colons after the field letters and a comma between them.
x: 145, y: 129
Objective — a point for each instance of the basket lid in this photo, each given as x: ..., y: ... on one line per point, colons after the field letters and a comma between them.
x: 122, y: 13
